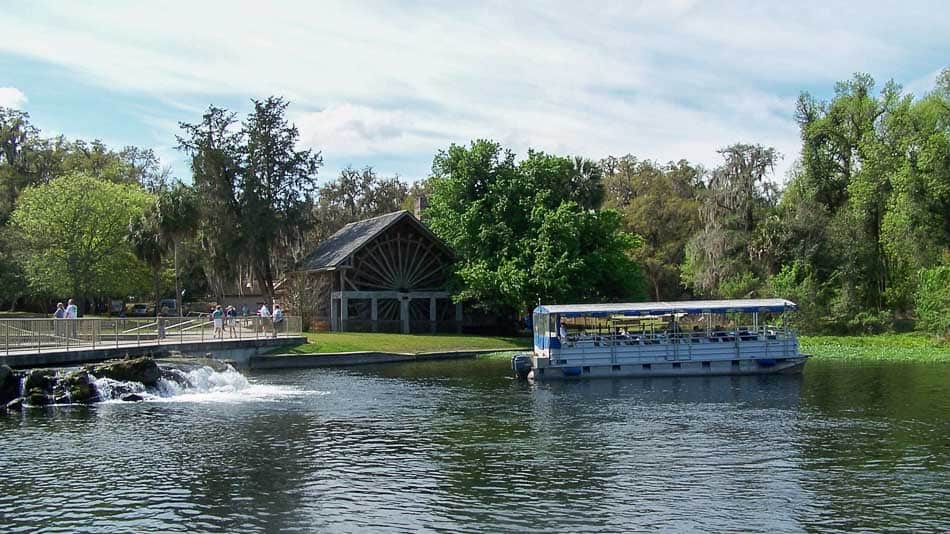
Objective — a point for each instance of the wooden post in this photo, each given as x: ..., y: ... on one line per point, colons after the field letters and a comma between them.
x: 374, y: 314
x: 344, y: 311
x: 404, y: 313
x: 458, y: 317
x: 432, y: 314
x: 334, y: 314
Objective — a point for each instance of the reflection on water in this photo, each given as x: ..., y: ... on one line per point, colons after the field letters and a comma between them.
x: 458, y: 446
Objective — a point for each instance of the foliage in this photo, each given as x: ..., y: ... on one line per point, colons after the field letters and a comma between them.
x: 276, y: 187
x: 145, y: 238
x: 255, y: 189
x: 875, y: 178
x: 891, y: 347
x: 214, y: 147
x: 661, y: 205
x: 933, y: 300
x: 355, y: 195
x: 521, y: 233
x: 734, y: 205
x: 73, y: 230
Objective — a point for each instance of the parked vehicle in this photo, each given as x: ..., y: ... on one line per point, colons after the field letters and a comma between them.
x: 168, y: 307
x: 139, y: 310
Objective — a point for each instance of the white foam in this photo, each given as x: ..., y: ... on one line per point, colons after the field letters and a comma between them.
x: 202, y: 385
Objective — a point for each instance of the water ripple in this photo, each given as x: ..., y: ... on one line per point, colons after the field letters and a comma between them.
x: 433, y: 448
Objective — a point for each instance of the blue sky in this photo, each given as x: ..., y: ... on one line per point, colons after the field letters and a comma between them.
x: 388, y: 84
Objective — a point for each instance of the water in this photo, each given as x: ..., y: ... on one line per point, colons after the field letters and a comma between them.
x: 459, y: 447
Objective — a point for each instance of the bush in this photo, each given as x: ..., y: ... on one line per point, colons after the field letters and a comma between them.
x: 933, y: 301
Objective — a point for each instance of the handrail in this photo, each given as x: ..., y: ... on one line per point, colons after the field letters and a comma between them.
x: 33, y: 334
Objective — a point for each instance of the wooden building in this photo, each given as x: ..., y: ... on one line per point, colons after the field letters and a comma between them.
x: 385, y: 274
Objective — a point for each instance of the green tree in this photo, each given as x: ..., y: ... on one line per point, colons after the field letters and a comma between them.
x: 73, y: 230
x: 355, y: 195
x: 276, y: 189
x: 144, y: 237
x: 520, y: 233
x: 661, y: 205
x: 215, y: 146
x: 737, y: 199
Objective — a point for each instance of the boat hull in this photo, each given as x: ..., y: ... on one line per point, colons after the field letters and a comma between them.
x: 760, y: 366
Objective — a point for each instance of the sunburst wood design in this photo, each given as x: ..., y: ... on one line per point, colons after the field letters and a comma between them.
x: 401, y: 259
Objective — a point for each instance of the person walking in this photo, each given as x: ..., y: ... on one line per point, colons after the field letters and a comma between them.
x: 278, y: 318
x: 217, y: 316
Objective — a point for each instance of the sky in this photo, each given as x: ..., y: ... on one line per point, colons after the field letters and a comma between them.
x: 388, y: 84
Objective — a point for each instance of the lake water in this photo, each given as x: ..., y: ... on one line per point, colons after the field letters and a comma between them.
x: 457, y: 446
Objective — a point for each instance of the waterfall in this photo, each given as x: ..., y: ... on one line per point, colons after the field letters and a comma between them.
x: 175, y: 382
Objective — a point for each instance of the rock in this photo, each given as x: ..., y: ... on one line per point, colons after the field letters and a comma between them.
x: 37, y: 397
x: 43, y: 379
x: 132, y: 397
x: 143, y: 370
x: 15, y: 405
x: 9, y: 384
x: 176, y: 376
x: 188, y: 363
x: 62, y: 399
x: 81, y: 387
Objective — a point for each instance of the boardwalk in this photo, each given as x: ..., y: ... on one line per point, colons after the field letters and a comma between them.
x: 74, y: 340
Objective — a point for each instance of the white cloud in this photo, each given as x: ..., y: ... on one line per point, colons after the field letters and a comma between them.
x: 11, y: 97
x: 660, y: 80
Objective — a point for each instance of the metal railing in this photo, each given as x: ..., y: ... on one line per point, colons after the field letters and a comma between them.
x: 36, y: 335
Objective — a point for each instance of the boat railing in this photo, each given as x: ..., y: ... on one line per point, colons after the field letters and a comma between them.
x: 665, y: 337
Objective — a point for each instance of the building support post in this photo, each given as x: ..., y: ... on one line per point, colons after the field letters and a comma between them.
x: 374, y: 314
x: 334, y: 314
x: 404, y: 313
x: 458, y: 317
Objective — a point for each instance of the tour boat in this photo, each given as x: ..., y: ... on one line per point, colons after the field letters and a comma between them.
x: 687, y: 338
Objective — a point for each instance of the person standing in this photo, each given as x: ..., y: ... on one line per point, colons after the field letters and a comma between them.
x: 72, y: 312
x: 60, y: 313
x: 278, y: 318
x: 264, y: 314
x: 232, y: 320
x: 217, y: 316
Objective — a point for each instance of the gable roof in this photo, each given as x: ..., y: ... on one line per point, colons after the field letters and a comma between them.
x: 348, y: 240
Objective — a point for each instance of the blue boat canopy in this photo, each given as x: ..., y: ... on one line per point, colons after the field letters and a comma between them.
x: 662, y: 308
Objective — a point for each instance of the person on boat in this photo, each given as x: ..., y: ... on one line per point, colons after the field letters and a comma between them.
x: 562, y: 331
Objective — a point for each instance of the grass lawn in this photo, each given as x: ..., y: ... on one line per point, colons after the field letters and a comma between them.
x: 894, y: 347
x: 323, y: 342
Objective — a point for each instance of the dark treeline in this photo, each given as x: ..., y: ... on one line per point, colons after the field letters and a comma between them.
x: 858, y: 232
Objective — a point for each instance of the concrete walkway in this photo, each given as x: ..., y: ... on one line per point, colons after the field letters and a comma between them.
x: 238, y: 350
x: 346, y: 359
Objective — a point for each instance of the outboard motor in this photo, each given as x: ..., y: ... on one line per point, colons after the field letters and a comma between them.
x: 521, y: 365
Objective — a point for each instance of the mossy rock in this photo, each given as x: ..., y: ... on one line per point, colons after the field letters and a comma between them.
x: 143, y: 370
x: 84, y: 393
x: 43, y: 379
x: 9, y: 384
x: 37, y: 397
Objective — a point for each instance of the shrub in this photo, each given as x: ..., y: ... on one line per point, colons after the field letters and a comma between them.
x: 933, y: 301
